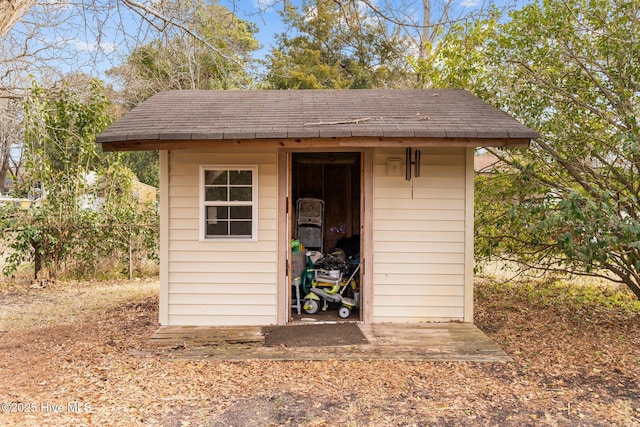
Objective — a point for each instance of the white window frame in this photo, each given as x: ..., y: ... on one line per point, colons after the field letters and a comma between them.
x: 203, y: 204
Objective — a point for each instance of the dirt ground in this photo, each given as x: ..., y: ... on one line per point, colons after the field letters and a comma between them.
x: 576, y: 363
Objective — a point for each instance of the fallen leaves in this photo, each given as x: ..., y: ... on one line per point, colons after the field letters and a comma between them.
x: 565, y: 373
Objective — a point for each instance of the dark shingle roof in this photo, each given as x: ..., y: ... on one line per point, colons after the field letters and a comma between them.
x: 246, y: 115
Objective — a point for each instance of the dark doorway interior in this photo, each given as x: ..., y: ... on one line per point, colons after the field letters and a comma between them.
x: 335, y: 179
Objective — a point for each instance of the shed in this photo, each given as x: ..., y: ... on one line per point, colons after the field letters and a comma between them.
x: 394, y: 169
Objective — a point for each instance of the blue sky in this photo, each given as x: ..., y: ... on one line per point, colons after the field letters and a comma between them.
x: 264, y: 13
x: 81, y: 48
x: 74, y: 45
x: 265, y: 17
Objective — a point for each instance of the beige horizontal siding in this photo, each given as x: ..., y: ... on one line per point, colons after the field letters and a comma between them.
x: 417, y: 314
x: 192, y: 235
x: 223, y: 299
x: 421, y: 247
x: 413, y: 204
x: 425, y: 258
x: 427, y: 281
x: 261, y: 308
x: 422, y: 193
x: 420, y: 214
x: 195, y: 280
x: 418, y: 301
x: 178, y: 234
x: 250, y: 268
x: 204, y: 256
x: 220, y: 283
x: 215, y: 319
x: 409, y: 266
x: 418, y: 238
x: 418, y: 290
x: 183, y: 213
x: 237, y: 285
x: 438, y: 226
x: 409, y: 236
x: 188, y: 246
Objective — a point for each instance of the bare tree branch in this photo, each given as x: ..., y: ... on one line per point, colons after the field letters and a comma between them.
x: 144, y: 10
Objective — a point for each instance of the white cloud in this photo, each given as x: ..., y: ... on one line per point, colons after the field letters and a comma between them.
x: 84, y: 46
x: 470, y: 3
x: 57, y: 4
x: 263, y: 4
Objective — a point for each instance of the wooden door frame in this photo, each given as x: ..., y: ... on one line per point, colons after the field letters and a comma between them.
x: 284, y: 215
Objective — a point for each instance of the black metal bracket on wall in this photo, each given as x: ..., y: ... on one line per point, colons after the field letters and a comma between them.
x: 412, y: 164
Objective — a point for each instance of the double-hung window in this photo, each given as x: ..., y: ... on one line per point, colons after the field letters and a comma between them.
x: 229, y: 202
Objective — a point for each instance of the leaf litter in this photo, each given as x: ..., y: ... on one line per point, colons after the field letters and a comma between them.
x: 572, y: 366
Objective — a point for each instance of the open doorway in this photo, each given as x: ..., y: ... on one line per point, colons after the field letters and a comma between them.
x: 326, y: 196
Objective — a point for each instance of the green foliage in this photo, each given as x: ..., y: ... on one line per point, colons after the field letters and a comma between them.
x: 86, y: 209
x: 461, y: 54
x: 568, y: 69
x: 145, y: 165
x: 334, y: 45
x: 216, y: 59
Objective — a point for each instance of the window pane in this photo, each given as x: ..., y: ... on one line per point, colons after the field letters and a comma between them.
x: 240, y: 177
x: 240, y: 228
x: 220, y: 228
x: 241, y: 212
x: 242, y: 194
x: 216, y: 194
x: 225, y: 188
x: 217, y: 212
x: 215, y: 177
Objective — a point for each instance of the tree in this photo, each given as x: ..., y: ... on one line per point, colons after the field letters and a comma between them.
x: 60, y: 154
x: 9, y: 140
x: 175, y: 60
x: 22, y: 52
x: 337, y: 45
x: 218, y: 59
x: 82, y: 197
x: 570, y: 70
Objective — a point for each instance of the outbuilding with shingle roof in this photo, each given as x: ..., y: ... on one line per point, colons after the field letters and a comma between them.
x: 390, y: 173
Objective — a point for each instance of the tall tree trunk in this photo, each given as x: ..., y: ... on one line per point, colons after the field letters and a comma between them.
x: 37, y: 258
x: 8, y: 134
x: 4, y: 168
x: 426, y: 28
x: 11, y: 11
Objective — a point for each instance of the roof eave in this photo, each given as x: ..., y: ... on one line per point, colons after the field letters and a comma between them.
x: 134, y: 144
